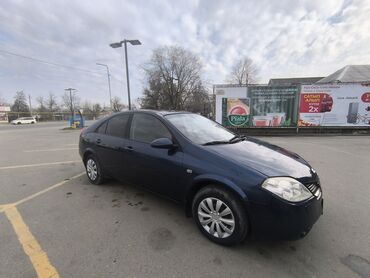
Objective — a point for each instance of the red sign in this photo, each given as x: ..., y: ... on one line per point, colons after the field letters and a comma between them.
x: 365, y: 97
x: 316, y: 103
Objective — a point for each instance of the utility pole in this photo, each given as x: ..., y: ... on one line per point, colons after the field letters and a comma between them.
x: 29, y: 100
x: 71, y: 107
x: 214, y: 103
x: 110, y: 91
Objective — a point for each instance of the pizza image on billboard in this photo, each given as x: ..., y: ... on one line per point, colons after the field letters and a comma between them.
x: 235, y: 112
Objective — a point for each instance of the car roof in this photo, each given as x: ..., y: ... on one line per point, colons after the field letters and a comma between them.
x: 156, y: 112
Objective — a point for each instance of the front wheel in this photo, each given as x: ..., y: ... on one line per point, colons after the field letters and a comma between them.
x: 93, y: 170
x: 220, y: 215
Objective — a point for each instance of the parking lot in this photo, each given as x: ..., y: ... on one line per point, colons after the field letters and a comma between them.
x: 54, y: 223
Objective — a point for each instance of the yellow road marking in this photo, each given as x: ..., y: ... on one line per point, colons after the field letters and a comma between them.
x: 47, y: 189
x: 50, y: 150
x: 38, y: 165
x: 31, y: 247
x: 4, y: 207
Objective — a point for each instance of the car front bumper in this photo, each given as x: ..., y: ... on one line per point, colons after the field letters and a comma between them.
x: 283, y: 220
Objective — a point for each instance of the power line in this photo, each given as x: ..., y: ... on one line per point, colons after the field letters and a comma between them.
x: 57, y: 64
x: 47, y: 62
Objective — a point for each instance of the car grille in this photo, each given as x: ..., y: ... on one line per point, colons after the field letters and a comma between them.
x: 315, y: 189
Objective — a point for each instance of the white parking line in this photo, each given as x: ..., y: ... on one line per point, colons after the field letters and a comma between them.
x: 50, y: 150
x: 39, y: 164
x: 48, y: 189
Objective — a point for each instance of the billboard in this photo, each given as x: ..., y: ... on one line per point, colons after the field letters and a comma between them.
x: 259, y: 106
x: 273, y: 106
x: 334, y: 105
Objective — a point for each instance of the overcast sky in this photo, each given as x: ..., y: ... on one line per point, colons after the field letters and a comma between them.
x: 285, y: 38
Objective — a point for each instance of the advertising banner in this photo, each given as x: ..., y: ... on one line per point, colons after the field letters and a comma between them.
x: 334, y: 105
x: 235, y: 112
x: 273, y: 106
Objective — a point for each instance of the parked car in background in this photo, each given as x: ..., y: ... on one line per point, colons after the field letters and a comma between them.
x: 232, y: 185
x: 24, y: 120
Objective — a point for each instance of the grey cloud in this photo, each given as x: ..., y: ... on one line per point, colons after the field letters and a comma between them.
x: 285, y: 38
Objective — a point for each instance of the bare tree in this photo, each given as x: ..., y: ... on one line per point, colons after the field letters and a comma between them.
x: 244, y: 71
x: 117, y: 106
x: 174, y: 79
x: 51, y: 102
x: 2, y: 100
x: 41, y: 103
x: 86, y: 107
x: 20, y: 104
x: 71, y: 101
x: 91, y: 111
x: 96, y: 110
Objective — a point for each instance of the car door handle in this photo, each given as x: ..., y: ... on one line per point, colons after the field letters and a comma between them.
x: 129, y: 148
x: 98, y: 141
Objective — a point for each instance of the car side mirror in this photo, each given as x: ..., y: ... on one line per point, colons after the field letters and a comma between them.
x: 162, y: 143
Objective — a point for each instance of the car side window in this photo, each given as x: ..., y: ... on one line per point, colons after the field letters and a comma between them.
x: 101, y: 129
x: 117, y: 125
x: 146, y: 128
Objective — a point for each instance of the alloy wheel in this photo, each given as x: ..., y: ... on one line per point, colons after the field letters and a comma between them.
x: 92, y: 169
x: 216, y: 217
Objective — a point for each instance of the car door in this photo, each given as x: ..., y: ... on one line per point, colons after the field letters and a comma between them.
x: 159, y: 170
x: 111, y: 140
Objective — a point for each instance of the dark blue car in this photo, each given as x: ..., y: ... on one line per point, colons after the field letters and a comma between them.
x: 233, y: 186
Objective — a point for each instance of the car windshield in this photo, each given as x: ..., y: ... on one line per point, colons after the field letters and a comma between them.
x: 199, y: 129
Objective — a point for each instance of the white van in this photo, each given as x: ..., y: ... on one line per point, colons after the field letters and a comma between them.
x: 24, y: 120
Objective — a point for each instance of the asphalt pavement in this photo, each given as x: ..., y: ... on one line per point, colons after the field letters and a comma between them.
x: 53, y: 223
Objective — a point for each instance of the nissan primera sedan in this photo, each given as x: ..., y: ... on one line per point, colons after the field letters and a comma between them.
x: 233, y: 186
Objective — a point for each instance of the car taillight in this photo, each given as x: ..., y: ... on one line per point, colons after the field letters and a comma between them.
x: 83, y: 131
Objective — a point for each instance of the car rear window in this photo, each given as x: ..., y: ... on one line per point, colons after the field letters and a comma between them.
x: 117, y: 125
x: 101, y: 129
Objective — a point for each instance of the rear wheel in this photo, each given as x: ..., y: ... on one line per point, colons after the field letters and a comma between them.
x: 93, y: 170
x: 220, y: 216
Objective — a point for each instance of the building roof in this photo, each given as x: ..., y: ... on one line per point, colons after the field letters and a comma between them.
x: 293, y: 81
x: 349, y: 74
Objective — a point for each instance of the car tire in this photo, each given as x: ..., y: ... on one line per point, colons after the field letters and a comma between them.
x: 18, y: 123
x: 228, y: 228
x: 32, y: 122
x: 93, y: 170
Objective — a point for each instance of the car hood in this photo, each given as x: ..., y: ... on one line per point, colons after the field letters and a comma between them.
x: 265, y: 158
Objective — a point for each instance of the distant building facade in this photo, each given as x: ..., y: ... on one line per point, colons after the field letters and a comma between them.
x: 4, y: 110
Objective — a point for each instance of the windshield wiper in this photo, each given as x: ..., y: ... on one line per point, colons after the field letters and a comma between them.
x: 237, y: 138
x: 216, y: 143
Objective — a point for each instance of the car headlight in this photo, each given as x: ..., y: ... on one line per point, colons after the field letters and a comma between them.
x: 287, y: 188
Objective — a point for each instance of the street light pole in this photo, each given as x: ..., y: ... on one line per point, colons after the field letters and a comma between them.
x: 119, y: 44
x: 110, y: 92
x: 127, y: 77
